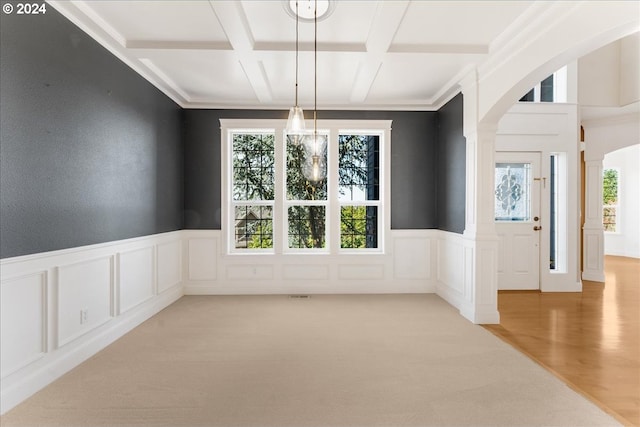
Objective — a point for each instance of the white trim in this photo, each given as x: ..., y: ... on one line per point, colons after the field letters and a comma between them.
x: 333, y: 128
x: 406, y: 267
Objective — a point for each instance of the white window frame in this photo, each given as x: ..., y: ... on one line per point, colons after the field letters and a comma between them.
x: 280, y: 233
x: 616, y: 206
x: 378, y: 203
x: 231, y: 204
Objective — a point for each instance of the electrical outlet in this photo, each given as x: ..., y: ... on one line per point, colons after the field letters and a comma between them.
x: 84, y: 316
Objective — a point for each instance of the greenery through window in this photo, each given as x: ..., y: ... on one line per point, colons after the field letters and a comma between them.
x: 306, y: 213
x: 253, y: 163
x: 359, y: 190
x: 610, y: 199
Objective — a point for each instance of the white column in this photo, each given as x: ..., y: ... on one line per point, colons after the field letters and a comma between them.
x: 480, y: 304
x: 480, y: 260
x: 593, y: 231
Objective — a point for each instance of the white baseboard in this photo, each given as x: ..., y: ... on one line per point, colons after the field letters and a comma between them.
x: 317, y: 288
x: 593, y: 276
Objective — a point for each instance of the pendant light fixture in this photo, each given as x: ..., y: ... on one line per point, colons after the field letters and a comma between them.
x: 314, y: 167
x: 295, y: 122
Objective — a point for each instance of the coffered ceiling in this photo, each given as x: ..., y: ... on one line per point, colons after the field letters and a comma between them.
x: 241, y: 54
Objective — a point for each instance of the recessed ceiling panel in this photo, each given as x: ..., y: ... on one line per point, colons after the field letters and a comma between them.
x: 205, y: 76
x: 457, y: 22
x: 415, y: 78
x: 336, y: 74
x: 183, y: 20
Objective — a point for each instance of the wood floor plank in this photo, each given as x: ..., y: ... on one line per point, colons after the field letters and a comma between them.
x: 591, y: 339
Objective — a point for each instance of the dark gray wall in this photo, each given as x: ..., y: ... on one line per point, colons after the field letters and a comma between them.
x: 451, y: 167
x: 413, y: 163
x: 89, y: 151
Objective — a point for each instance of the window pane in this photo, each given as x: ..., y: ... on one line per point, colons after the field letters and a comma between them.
x: 528, y: 97
x: 253, y: 166
x: 609, y: 218
x: 358, y: 227
x: 553, y: 213
x: 298, y: 187
x: 253, y: 226
x: 358, y: 167
x: 609, y: 187
x: 306, y: 226
x: 512, y: 201
x: 609, y: 199
x: 546, y: 89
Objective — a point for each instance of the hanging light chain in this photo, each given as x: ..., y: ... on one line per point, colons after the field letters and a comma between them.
x: 315, y: 72
x: 297, y: 24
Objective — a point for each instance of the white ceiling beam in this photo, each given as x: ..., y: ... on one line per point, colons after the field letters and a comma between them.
x: 385, y: 24
x: 364, y: 78
x: 235, y: 25
x: 459, y: 49
x: 177, y: 45
x: 382, y: 30
x: 338, y: 47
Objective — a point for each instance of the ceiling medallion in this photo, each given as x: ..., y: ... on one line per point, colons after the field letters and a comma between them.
x: 306, y: 9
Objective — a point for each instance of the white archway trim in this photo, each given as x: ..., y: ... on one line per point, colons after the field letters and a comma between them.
x: 565, y: 31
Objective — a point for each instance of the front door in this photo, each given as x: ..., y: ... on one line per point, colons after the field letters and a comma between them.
x: 517, y: 219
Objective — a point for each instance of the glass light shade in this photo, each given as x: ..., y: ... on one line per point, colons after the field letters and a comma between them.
x: 314, y: 168
x: 295, y: 138
x: 295, y: 122
x: 314, y: 144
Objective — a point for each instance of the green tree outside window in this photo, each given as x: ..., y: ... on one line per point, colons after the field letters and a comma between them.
x: 609, y: 199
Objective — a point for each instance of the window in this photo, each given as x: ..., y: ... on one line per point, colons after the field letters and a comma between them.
x: 551, y: 89
x: 513, y: 192
x: 359, y: 189
x: 543, y: 92
x: 306, y: 202
x: 610, y: 200
x: 558, y: 227
x: 253, y: 185
x: 274, y: 208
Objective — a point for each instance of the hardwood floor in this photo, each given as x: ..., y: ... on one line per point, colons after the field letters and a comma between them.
x: 591, y: 340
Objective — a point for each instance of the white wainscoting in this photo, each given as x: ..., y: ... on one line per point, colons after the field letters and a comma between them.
x: 450, y: 268
x: 60, y: 308
x: 407, y: 268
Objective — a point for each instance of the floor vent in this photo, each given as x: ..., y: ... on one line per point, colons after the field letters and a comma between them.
x: 300, y: 296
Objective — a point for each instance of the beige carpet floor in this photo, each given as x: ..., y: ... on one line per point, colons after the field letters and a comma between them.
x: 328, y: 360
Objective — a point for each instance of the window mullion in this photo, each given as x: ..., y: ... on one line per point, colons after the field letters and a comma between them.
x: 333, y: 222
x: 279, y: 217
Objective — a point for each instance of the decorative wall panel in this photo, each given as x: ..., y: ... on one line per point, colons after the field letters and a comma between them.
x: 23, y: 302
x: 136, y: 278
x: 84, y: 297
x: 169, y: 265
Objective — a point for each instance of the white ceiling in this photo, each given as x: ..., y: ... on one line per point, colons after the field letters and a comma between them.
x: 241, y: 54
